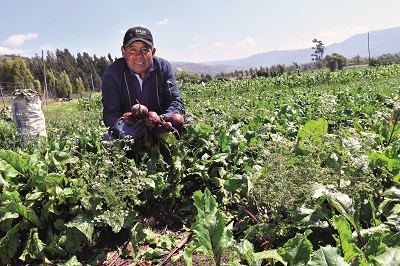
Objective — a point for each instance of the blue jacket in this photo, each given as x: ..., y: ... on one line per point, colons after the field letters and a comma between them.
x: 121, y: 90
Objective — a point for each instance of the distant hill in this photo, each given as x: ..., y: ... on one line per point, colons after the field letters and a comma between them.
x: 380, y: 42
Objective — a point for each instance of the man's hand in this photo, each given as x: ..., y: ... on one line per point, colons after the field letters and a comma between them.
x: 120, y: 129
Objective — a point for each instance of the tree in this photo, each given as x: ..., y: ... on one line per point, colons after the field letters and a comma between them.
x: 281, y: 69
x: 335, y: 61
x: 319, y: 48
x: 16, y: 73
x: 184, y: 76
x: 51, y: 79
x: 36, y: 86
x: 79, y: 86
x: 64, y: 86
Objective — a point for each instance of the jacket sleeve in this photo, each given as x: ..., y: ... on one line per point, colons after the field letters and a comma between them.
x: 173, y: 99
x: 112, y: 106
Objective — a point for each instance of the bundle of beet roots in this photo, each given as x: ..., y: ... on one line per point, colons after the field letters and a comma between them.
x: 139, y: 111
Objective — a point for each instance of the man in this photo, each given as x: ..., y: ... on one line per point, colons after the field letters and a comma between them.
x: 139, y: 77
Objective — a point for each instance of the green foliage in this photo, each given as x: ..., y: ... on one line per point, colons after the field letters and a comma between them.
x: 17, y: 74
x: 64, y: 86
x: 80, y: 88
x: 256, y: 149
x: 210, y: 232
x: 186, y: 77
x: 335, y: 61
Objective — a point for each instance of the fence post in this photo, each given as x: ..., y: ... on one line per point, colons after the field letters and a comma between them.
x: 2, y: 97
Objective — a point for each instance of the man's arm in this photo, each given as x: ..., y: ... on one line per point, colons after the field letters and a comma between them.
x: 172, y: 95
x: 111, y: 99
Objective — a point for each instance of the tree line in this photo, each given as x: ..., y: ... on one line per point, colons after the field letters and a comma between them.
x: 65, y: 73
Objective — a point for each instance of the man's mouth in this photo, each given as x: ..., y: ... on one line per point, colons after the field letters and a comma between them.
x: 138, y: 63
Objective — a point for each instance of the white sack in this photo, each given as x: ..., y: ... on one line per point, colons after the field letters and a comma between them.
x: 29, y: 118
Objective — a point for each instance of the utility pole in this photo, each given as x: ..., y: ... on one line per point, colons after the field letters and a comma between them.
x: 91, y: 77
x: 369, y: 52
x: 46, y: 94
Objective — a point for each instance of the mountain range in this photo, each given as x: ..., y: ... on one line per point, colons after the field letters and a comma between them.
x: 373, y: 43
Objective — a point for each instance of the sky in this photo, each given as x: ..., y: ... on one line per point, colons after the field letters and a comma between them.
x: 188, y: 31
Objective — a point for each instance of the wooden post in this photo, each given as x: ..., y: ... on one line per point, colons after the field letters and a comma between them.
x: 2, y: 96
x: 46, y: 95
x: 369, y: 52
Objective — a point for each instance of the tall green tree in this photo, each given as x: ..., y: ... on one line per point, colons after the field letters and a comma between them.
x: 16, y: 74
x: 51, y: 81
x: 101, y: 64
x: 66, y: 62
x: 64, y: 86
x: 80, y: 88
x: 335, y: 61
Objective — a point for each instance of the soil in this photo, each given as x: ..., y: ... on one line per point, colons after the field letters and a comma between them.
x: 117, y: 251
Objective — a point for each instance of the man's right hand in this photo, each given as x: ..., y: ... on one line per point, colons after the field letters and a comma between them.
x: 121, y: 130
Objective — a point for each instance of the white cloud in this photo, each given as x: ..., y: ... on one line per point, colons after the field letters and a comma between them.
x: 194, y: 45
x: 339, y: 34
x: 19, y: 39
x: 163, y: 22
x: 6, y: 50
x: 220, y: 45
x: 48, y: 47
x: 247, y: 41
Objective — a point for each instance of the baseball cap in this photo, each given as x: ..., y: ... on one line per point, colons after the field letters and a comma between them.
x: 138, y: 34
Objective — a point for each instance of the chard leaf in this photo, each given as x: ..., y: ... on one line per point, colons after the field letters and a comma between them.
x: 72, y: 240
x: 9, y: 244
x: 297, y: 250
x: 375, y: 245
x: 7, y: 170
x: 391, y: 257
x: 349, y: 249
x: 34, y: 247
x: 25, y: 212
x: 269, y: 254
x: 314, y: 130
x: 327, y: 256
x: 210, y: 232
x: 84, y: 224
x: 348, y: 207
x: 14, y: 163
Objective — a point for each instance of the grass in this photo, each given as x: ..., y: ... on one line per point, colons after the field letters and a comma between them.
x: 55, y: 110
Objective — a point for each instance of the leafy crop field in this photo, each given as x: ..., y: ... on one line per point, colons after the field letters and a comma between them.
x: 291, y: 170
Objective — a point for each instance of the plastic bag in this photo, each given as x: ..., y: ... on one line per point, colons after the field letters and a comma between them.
x: 29, y: 118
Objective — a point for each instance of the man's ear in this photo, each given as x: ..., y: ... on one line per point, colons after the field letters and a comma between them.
x: 154, y: 51
x: 123, y: 51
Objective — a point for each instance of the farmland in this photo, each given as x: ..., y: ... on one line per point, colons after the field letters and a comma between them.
x: 293, y: 170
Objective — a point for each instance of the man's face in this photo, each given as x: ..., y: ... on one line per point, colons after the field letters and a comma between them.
x: 138, y: 57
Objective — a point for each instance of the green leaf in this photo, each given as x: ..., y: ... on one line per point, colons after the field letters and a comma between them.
x: 7, y: 170
x: 269, y: 254
x: 72, y: 262
x: 25, y: 212
x: 297, y: 251
x: 210, y: 232
x: 349, y: 249
x: 34, y: 247
x: 72, y: 240
x: 347, y: 206
x: 313, y: 130
x: 391, y: 257
x: 375, y: 245
x: 84, y: 224
x: 327, y: 256
x: 14, y: 163
x: 9, y: 244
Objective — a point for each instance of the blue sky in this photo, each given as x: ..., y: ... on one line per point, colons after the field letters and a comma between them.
x: 189, y: 31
